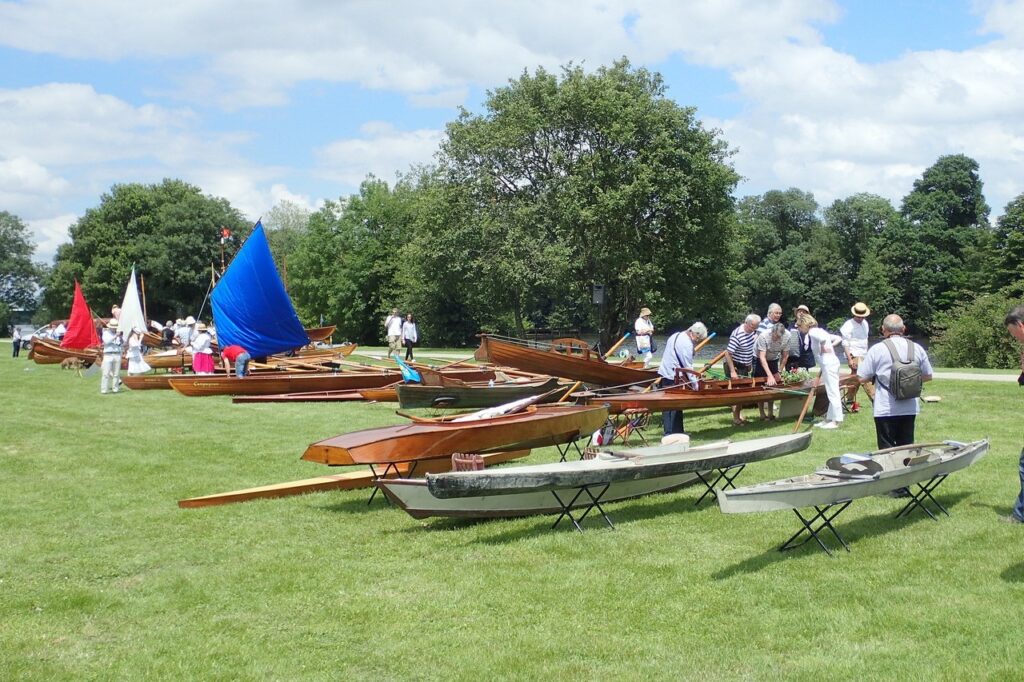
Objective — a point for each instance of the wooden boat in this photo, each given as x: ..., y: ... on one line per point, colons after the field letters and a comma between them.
x: 850, y: 477
x: 429, y: 438
x: 350, y: 480
x: 568, y: 358
x: 385, y: 393
x: 613, y: 466
x: 298, y: 382
x: 50, y: 352
x: 319, y: 334
x: 719, y: 393
x: 474, y: 395
x: 169, y: 359
x: 532, y: 490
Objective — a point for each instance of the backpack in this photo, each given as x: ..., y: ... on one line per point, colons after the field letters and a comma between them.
x: 905, y: 378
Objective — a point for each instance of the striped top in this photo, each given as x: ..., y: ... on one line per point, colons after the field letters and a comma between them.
x: 741, y: 345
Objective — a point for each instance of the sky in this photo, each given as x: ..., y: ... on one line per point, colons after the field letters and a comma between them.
x: 263, y: 102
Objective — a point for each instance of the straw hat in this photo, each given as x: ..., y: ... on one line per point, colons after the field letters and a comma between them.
x: 112, y: 323
x: 860, y: 309
x: 803, y: 308
x: 190, y: 320
x: 200, y: 327
x: 645, y: 311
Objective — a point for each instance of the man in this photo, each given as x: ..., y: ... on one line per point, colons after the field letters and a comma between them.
x: 678, y: 354
x: 113, y: 347
x: 167, y: 335
x: 16, y: 341
x: 1015, y: 325
x: 393, y: 327
x: 855, y: 333
x: 238, y: 356
x: 739, y: 355
x: 800, y: 354
x: 771, y: 319
x: 894, y: 419
x: 644, y: 330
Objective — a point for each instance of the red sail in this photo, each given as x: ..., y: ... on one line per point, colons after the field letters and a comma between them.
x: 81, y: 329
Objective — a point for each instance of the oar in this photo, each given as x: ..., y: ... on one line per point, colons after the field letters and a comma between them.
x: 807, y: 404
x: 616, y: 346
x: 570, y: 391
x: 709, y: 365
x: 705, y: 341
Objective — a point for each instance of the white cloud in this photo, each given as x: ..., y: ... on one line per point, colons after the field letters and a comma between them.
x: 381, y: 150
x: 49, y: 233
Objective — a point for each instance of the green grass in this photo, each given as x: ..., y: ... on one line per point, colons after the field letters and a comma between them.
x: 103, y: 576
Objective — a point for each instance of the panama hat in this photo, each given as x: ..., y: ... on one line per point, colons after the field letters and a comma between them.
x: 645, y: 311
x: 112, y: 323
x: 860, y: 309
x: 803, y: 308
x: 190, y: 320
x: 200, y: 327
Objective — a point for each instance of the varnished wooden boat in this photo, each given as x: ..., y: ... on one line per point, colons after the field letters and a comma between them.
x: 385, y: 393
x: 169, y: 359
x: 350, y: 480
x: 298, y: 382
x: 50, y: 352
x: 849, y: 477
x: 472, y: 395
x: 709, y: 394
x: 614, y: 466
x: 318, y: 334
x: 429, y: 438
x: 568, y: 358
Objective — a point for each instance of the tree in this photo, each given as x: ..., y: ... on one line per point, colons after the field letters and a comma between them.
x: 857, y: 221
x: 594, y: 178
x: 286, y: 225
x: 972, y: 333
x: 1007, y: 254
x: 19, y: 276
x: 169, y: 231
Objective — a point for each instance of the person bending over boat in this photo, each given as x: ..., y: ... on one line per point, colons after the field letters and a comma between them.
x: 1015, y: 325
x: 739, y: 355
x: 894, y: 419
x: 643, y: 329
x: 678, y: 354
x: 237, y: 356
x: 772, y: 347
x: 823, y: 346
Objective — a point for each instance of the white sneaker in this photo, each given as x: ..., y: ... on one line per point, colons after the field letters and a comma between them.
x: 827, y: 425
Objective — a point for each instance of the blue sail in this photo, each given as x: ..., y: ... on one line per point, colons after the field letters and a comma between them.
x: 251, y: 309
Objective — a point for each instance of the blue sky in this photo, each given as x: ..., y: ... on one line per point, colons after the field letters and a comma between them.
x: 298, y: 101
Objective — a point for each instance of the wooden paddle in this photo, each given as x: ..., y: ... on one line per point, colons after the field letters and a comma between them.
x: 709, y: 365
x: 570, y: 391
x: 807, y: 403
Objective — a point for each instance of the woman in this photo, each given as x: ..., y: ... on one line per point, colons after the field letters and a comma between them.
x: 202, y: 351
x: 16, y: 341
x: 643, y: 329
x: 136, y: 365
x: 409, y: 335
x: 823, y: 346
x: 772, y: 348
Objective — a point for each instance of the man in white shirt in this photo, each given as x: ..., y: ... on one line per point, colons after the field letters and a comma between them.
x: 393, y: 329
x: 113, y: 346
x: 678, y: 354
x: 894, y: 419
x: 855, y: 332
x: 643, y: 328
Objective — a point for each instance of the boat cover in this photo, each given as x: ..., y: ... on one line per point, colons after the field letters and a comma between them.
x: 250, y: 306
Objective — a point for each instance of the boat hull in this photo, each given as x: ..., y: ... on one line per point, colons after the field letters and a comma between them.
x: 255, y: 384
x: 635, y: 464
x: 588, y: 368
x: 412, y: 396
x: 818, y: 489
x: 540, y: 427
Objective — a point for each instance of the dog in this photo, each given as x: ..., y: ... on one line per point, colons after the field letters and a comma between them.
x: 73, y: 363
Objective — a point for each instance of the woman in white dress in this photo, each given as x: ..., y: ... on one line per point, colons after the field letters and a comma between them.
x: 823, y: 345
x: 136, y: 365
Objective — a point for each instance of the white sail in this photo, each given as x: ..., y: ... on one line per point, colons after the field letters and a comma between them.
x: 131, y: 310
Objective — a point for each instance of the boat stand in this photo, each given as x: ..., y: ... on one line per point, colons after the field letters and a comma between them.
x: 595, y: 503
x: 391, y: 468
x: 563, y: 452
x: 923, y: 494
x: 826, y: 514
x: 728, y: 474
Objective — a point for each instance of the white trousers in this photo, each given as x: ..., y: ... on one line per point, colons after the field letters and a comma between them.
x: 111, y: 378
x: 830, y: 376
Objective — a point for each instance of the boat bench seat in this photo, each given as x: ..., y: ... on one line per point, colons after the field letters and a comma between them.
x: 467, y: 462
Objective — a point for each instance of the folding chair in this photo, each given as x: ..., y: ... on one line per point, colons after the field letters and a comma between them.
x: 633, y: 421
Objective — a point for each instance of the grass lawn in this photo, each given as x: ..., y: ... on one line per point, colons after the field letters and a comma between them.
x: 103, y: 576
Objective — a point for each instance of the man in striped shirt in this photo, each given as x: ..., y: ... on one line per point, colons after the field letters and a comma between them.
x: 739, y: 355
x: 769, y: 321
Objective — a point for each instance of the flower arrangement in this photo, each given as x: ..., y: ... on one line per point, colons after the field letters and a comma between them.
x: 796, y: 376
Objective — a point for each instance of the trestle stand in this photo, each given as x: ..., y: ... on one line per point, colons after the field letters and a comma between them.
x: 923, y: 494
x: 728, y: 474
x: 595, y: 503
x: 391, y: 468
x: 826, y: 514
x: 564, y: 451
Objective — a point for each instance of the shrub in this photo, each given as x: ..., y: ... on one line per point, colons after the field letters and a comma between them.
x: 972, y: 333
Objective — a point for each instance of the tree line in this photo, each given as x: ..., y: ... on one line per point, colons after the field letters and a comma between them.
x: 562, y: 182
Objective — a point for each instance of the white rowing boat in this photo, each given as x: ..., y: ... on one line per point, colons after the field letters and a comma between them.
x: 849, y: 477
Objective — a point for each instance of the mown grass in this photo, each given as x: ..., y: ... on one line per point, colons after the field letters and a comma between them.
x: 102, y: 576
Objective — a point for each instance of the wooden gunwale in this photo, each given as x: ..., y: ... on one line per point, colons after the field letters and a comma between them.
x: 472, y: 395
x: 590, y: 369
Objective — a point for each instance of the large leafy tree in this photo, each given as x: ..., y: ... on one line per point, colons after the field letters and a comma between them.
x: 19, y: 276
x: 286, y: 224
x: 170, y: 231
x: 584, y: 178
x: 1007, y: 254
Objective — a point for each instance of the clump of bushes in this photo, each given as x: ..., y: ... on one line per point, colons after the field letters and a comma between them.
x: 972, y: 333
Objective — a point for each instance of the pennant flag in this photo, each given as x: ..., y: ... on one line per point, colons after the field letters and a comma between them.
x: 131, y: 316
x: 81, y: 330
x: 251, y: 309
x: 408, y: 373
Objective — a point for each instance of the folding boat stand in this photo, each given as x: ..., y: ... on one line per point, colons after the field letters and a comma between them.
x: 391, y: 468
x: 595, y: 503
x: 564, y: 452
x: 727, y: 474
x: 826, y: 514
